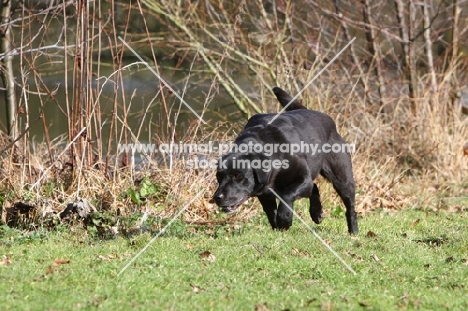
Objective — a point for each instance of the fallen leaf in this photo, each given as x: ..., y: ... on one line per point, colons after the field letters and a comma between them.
x: 261, y: 307
x: 237, y: 227
x: 299, y: 253
x: 208, y: 256
x: 108, y: 257
x: 50, y: 270
x: 5, y: 261
x: 196, y: 288
x: 371, y: 234
x: 58, y: 262
x: 204, y: 254
x: 357, y: 257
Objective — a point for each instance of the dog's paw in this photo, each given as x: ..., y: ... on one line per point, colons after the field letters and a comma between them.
x: 317, y: 218
x: 284, y: 221
x: 316, y: 211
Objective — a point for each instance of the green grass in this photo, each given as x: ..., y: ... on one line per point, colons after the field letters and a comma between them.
x: 410, y: 260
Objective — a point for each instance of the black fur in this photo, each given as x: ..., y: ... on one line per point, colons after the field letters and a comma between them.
x: 297, y: 125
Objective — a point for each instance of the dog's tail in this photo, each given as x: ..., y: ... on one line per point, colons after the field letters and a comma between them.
x: 285, y: 99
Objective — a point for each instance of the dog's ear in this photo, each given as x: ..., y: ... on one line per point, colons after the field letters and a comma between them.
x: 261, y: 179
x: 261, y: 176
x: 285, y: 99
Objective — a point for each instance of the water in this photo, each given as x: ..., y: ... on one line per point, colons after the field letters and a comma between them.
x: 142, y: 101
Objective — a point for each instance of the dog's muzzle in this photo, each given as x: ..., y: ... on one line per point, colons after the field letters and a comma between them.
x: 229, y: 209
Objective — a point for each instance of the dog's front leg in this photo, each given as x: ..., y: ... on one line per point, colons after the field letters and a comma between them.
x: 298, y: 190
x: 285, y: 215
x: 270, y: 207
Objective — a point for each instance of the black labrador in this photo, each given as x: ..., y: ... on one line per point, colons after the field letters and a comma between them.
x: 286, y: 155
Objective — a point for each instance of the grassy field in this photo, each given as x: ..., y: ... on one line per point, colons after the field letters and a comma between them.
x: 404, y: 260
x: 396, y: 93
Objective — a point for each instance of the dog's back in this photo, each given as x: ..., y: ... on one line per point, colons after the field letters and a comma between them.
x: 308, y: 125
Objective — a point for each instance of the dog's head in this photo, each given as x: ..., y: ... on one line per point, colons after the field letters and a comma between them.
x: 239, y: 176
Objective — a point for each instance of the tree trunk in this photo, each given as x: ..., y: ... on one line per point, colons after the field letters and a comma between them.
x: 454, y: 58
x: 7, y: 73
x: 374, y: 49
x: 407, y: 48
x: 428, y: 45
x: 412, y: 72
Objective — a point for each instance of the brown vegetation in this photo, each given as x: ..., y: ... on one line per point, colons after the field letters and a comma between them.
x: 395, y: 93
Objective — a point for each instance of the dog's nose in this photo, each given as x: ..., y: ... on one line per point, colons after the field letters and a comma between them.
x: 218, y: 197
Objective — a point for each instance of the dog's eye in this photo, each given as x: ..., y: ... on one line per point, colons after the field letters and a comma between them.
x: 237, y: 176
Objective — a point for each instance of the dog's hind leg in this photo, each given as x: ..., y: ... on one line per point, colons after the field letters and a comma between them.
x: 337, y: 168
x: 315, y: 208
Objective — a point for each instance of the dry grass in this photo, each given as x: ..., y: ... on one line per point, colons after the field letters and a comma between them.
x: 407, y: 155
x: 400, y: 163
x: 413, y: 161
